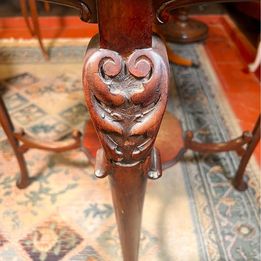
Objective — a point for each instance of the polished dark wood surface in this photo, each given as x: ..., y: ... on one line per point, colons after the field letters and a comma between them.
x: 125, y: 80
x: 87, y: 8
x: 183, y: 29
x: 21, y: 143
x: 117, y: 23
x: 239, y: 182
x: 126, y: 94
x: 163, y: 8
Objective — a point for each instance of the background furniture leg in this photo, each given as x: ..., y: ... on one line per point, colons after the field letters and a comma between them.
x: 47, y: 6
x: 239, y: 182
x: 127, y: 126
x: 182, y: 29
x: 5, y: 120
x: 37, y: 32
x: 125, y: 81
x: 126, y: 87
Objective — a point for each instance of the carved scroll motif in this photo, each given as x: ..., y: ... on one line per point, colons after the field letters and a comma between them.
x: 164, y: 8
x: 126, y: 97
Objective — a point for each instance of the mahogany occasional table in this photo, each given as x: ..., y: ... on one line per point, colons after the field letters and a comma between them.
x: 125, y: 81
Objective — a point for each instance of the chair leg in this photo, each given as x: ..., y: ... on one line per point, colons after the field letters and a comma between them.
x: 34, y: 15
x: 5, y: 120
x: 47, y: 7
x: 24, y: 11
x: 239, y: 182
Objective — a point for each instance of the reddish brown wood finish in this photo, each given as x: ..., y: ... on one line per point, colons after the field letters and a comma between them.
x: 5, y: 120
x: 232, y: 145
x: 163, y: 8
x: 250, y: 140
x: 125, y: 82
x: 126, y: 96
x: 23, y: 6
x: 239, y: 182
x: 128, y: 186
x: 87, y: 8
x: 125, y: 25
x: 170, y: 152
x: 47, y: 7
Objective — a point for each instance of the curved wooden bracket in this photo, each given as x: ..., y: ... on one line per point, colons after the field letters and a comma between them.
x: 55, y: 146
x: 87, y: 8
x: 163, y: 8
x: 232, y: 145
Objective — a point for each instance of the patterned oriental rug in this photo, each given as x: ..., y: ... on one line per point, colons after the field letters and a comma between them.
x: 191, y: 213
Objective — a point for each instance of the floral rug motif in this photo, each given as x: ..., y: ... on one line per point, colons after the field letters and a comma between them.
x: 191, y: 213
x: 51, y: 241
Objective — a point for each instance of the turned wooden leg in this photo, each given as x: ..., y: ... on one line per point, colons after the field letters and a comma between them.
x: 182, y: 29
x: 239, y: 182
x: 23, y: 180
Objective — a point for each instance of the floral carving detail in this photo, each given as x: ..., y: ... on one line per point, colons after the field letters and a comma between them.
x: 126, y: 97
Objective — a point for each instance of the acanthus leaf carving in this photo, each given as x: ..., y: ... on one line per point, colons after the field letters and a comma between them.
x: 126, y: 97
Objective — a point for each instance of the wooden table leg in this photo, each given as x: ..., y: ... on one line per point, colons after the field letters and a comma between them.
x: 239, y: 182
x: 125, y: 79
x: 23, y: 180
x: 128, y: 188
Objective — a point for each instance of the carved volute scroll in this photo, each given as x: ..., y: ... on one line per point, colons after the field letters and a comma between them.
x: 163, y: 8
x: 87, y: 8
x: 126, y: 97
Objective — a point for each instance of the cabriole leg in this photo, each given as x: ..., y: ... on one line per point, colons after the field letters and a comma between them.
x: 23, y: 180
x: 126, y: 96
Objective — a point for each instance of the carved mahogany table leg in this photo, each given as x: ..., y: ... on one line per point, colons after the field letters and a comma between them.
x: 125, y: 79
x: 47, y: 6
x: 239, y: 182
x: 8, y: 128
